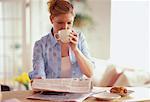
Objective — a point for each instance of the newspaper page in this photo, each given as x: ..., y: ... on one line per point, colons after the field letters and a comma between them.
x: 73, y: 85
x: 63, y: 97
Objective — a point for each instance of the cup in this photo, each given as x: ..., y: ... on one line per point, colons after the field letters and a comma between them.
x: 63, y: 35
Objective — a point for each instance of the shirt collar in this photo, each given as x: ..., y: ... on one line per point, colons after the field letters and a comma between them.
x: 53, y: 40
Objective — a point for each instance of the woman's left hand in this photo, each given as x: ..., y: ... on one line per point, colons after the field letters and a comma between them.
x: 73, y: 40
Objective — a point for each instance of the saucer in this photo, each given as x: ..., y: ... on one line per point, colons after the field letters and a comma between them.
x: 106, y: 96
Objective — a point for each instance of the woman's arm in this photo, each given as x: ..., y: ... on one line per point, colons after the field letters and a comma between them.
x: 38, y: 62
x: 82, y: 56
x: 85, y: 64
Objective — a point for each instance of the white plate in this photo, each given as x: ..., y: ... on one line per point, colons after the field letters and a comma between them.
x: 129, y: 91
x: 106, y: 96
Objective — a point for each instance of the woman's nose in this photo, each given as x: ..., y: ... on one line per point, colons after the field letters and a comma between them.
x: 65, y: 26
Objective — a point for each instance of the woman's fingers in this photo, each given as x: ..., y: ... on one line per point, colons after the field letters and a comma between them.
x: 73, y: 41
x: 73, y: 37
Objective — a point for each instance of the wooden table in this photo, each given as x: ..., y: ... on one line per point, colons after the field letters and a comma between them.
x: 140, y: 94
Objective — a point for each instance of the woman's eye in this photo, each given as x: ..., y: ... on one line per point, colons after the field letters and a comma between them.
x: 69, y: 22
x: 63, y: 22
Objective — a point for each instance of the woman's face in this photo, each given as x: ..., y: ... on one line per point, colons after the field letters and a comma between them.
x: 62, y: 21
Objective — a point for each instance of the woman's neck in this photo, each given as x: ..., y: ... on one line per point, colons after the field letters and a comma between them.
x: 64, y: 50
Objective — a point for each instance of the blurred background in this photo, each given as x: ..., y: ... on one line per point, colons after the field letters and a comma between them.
x: 116, y: 31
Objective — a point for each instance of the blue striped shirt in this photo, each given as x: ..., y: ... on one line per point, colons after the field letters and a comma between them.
x: 47, y: 57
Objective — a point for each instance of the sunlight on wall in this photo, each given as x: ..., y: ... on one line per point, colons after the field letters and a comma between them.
x: 130, y: 34
x: 149, y: 35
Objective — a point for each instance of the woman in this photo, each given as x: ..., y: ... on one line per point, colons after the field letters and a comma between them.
x: 55, y: 59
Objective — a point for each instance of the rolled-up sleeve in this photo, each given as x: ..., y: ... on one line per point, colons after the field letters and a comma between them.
x: 38, y: 62
x: 84, y: 47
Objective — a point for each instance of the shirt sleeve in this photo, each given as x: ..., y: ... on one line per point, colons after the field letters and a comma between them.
x: 38, y: 62
x: 84, y: 47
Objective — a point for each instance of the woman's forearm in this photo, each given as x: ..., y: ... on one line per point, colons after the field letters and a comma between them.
x: 85, y: 64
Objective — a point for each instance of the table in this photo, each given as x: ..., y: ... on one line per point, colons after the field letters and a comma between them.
x: 140, y: 94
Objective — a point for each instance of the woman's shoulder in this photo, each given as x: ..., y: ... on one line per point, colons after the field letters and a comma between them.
x: 43, y: 39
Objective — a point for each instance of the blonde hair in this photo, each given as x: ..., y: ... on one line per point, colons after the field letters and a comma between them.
x: 57, y: 7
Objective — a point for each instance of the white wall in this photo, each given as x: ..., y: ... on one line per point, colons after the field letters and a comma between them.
x: 98, y: 35
x: 1, y: 43
x: 130, y: 33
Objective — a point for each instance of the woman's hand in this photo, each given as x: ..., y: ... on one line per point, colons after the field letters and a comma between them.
x: 73, y: 40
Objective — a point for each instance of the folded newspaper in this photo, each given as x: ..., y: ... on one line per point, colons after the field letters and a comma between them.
x: 71, y: 85
x: 60, y: 97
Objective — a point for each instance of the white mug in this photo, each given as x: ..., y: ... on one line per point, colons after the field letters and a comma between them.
x: 63, y: 35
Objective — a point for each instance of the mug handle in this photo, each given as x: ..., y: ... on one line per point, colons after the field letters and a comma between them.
x: 57, y: 37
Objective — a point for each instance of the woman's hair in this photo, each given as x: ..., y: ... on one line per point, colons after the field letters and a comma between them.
x: 57, y: 7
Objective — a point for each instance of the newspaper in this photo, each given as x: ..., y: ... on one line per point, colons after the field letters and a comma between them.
x: 72, y: 85
x: 63, y: 97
